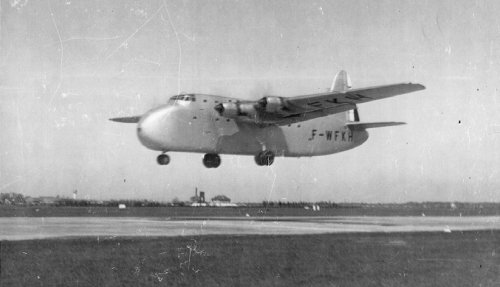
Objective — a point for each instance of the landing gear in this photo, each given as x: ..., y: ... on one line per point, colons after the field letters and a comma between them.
x: 163, y: 159
x: 265, y: 158
x: 211, y: 160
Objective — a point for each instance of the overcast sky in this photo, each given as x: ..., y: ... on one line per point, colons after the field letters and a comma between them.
x: 67, y: 66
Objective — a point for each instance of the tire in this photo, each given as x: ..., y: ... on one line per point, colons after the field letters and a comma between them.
x: 163, y: 159
x: 211, y: 160
x: 264, y: 158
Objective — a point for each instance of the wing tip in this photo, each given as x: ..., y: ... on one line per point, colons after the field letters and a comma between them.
x: 417, y: 86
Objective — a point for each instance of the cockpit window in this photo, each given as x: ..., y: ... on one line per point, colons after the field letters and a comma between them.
x: 187, y: 97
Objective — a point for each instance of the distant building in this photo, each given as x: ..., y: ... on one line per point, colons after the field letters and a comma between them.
x: 199, y: 204
x: 223, y: 204
x: 202, y: 197
x: 198, y: 199
x: 222, y: 201
x: 221, y: 198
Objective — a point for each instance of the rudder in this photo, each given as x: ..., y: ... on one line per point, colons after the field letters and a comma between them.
x: 341, y: 82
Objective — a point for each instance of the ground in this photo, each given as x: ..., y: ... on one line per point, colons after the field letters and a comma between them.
x: 361, y: 259
x: 355, y: 210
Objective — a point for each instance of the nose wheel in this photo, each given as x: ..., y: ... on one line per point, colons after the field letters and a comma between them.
x: 163, y: 159
x: 211, y: 160
x: 264, y: 158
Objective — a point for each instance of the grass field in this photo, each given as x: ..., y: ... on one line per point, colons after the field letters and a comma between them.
x: 411, y: 259
x: 396, y: 210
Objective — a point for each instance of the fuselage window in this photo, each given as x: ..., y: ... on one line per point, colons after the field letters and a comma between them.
x: 187, y: 98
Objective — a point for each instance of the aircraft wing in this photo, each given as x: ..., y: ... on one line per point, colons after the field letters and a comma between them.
x: 307, y: 107
x: 332, y: 100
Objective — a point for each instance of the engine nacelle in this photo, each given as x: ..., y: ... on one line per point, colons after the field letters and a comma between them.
x: 248, y: 109
x: 260, y: 112
x: 229, y: 110
x: 234, y: 110
x: 272, y: 104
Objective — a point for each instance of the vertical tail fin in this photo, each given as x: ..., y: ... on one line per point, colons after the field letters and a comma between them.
x: 341, y: 83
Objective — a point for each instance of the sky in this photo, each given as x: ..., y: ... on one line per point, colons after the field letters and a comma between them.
x: 66, y: 67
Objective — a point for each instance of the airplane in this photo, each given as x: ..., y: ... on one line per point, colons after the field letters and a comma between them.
x: 306, y: 125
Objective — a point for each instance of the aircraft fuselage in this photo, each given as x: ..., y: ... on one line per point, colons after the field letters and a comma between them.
x: 189, y: 123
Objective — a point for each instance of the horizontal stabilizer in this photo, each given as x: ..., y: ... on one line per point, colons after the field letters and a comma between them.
x: 129, y: 120
x: 362, y: 126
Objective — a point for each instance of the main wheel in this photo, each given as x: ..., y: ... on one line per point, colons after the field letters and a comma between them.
x: 211, y: 160
x: 163, y: 159
x: 265, y: 158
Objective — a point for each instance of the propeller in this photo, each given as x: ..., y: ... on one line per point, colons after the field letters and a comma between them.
x: 219, y: 108
x: 262, y: 102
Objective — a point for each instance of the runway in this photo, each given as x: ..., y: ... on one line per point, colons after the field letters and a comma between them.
x: 23, y: 228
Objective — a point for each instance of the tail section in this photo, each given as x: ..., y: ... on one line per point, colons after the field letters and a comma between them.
x: 341, y: 83
x: 352, y: 115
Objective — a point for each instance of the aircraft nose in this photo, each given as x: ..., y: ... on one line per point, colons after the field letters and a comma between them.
x: 141, y: 131
x: 149, y: 129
